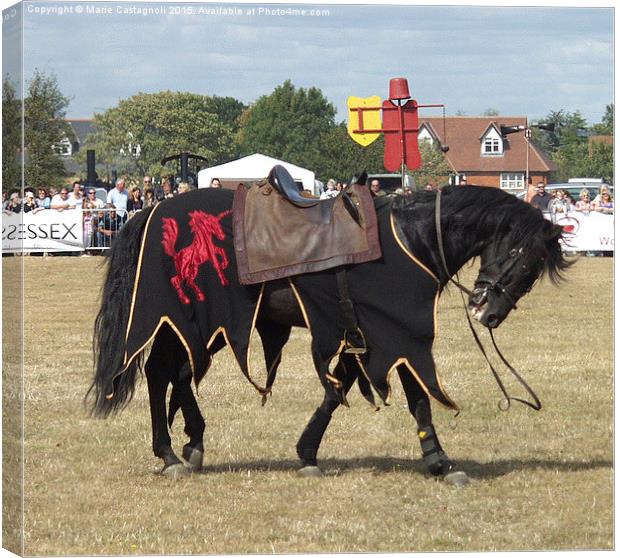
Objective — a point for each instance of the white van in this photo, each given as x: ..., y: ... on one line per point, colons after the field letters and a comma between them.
x: 587, y: 181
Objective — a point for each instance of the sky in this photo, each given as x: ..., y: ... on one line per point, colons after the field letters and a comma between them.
x: 520, y: 61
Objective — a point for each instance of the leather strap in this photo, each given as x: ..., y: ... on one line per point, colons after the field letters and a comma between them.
x: 537, y: 405
x: 355, y: 342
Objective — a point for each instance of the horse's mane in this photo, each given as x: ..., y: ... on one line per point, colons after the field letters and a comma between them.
x: 477, y: 214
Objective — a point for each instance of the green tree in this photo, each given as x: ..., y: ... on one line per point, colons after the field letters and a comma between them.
x: 228, y: 110
x: 341, y: 157
x: 434, y: 168
x: 491, y: 112
x: 606, y: 126
x: 136, y: 135
x: 570, y: 128
x: 570, y: 160
x: 11, y: 136
x: 569, y: 148
x: 287, y: 124
x: 600, y: 162
x: 44, y: 127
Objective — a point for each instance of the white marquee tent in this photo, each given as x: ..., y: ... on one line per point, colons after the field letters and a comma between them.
x: 253, y: 167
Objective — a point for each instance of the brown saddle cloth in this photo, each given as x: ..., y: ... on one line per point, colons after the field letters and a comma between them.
x: 274, y: 238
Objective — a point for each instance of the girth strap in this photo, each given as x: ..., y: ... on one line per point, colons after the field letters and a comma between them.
x: 355, y: 342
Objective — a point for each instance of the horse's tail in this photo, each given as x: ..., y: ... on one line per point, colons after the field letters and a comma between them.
x: 170, y: 235
x: 111, y: 389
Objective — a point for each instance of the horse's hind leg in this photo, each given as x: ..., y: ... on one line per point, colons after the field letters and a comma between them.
x: 162, y: 366
x: 182, y: 397
x: 310, y: 440
x: 435, y: 458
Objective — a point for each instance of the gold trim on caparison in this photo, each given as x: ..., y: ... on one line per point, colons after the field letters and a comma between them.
x: 406, y: 250
x: 412, y: 370
x: 301, y: 305
x: 138, y: 272
x: 435, y: 333
x: 253, y: 327
x: 164, y: 319
x: 221, y: 329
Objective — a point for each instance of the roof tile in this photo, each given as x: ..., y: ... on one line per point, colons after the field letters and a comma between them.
x: 463, y: 136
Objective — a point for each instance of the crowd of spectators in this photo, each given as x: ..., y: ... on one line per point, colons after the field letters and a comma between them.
x: 562, y: 202
x: 102, y: 220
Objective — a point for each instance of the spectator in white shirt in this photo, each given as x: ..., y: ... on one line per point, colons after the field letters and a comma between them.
x: 117, y: 197
x: 60, y: 201
x: 331, y: 190
x: 75, y: 197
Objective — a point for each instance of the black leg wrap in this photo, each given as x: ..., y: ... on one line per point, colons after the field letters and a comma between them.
x: 310, y: 440
x: 434, y: 457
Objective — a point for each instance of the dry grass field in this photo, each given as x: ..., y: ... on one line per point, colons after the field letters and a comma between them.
x: 540, y: 481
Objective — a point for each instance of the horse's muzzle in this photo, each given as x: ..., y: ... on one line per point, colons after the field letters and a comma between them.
x: 478, y: 302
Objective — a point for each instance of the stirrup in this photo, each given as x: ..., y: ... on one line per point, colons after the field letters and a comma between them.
x: 351, y: 349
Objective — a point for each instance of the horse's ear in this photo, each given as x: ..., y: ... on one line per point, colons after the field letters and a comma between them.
x: 360, y: 179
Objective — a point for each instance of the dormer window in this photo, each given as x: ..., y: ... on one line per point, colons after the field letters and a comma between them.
x: 491, y: 142
x: 425, y: 136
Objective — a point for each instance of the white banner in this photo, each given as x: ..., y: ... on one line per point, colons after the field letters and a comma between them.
x: 587, y: 232
x: 46, y: 230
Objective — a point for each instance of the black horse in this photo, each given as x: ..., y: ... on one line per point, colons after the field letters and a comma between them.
x: 395, y: 299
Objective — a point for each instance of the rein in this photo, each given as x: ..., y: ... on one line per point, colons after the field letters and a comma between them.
x: 503, y: 405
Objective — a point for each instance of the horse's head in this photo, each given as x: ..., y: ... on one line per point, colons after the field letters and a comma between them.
x: 511, y: 265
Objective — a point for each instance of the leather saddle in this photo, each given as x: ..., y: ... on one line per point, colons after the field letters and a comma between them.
x: 283, y: 182
x: 279, y: 231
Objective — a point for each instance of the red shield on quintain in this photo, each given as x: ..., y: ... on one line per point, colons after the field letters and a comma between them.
x: 400, y: 127
x: 187, y: 261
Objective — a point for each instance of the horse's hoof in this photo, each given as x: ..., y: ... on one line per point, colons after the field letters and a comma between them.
x: 193, y: 458
x: 457, y: 478
x: 175, y: 471
x: 310, y: 471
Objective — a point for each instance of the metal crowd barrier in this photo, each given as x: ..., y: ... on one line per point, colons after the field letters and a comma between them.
x: 101, y: 227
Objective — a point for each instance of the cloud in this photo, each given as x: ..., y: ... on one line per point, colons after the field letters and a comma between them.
x: 518, y: 60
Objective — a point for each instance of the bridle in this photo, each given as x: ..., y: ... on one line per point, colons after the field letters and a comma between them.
x: 495, y: 282
x: 485, y: 284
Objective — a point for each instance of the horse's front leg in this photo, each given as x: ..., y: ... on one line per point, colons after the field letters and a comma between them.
x: 160, y: 369
x: 435, y: 458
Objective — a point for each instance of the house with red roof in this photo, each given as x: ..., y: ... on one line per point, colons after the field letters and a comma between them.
x: 481, y: 153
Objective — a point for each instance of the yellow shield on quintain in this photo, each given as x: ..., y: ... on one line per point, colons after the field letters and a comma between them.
x: 370, y: 119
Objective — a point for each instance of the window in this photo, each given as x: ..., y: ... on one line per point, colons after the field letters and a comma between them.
x: 491, y: 146
x: 64, y: 148
x: 512, y: 180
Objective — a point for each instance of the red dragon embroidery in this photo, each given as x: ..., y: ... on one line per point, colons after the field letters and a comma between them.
x: 189, y: 259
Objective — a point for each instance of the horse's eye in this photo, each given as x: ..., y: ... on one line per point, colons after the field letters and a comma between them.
x: 524, y: 267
